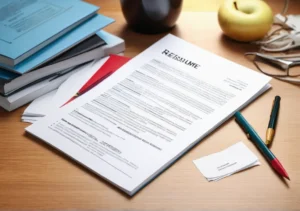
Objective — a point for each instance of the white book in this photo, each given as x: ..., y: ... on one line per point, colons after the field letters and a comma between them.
x: 141, y: 119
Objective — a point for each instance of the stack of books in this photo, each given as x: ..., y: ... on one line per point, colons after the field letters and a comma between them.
x: 43, y: 42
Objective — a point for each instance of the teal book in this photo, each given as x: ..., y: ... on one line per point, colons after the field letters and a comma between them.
x: 26, y: 26
x: 60, y: 45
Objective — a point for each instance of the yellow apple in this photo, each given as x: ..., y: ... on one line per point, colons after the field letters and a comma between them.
x: 245, y: 20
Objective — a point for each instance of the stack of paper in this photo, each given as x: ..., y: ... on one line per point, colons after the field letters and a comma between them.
x: 227, y: 162
x: 79, y: 83
x: 45, y: 104
x: 152, y: 110
x: 38, y: 108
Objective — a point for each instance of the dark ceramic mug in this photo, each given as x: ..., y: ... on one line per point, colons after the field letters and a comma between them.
x: 151, y: 16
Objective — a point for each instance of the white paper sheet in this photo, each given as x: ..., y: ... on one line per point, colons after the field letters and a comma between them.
x: 40, y: 106
x: 143, y: 117
x: 71, y: 86
x: 30, y: 119
x: 51, y: 101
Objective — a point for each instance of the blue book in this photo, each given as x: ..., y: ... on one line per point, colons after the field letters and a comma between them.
x: 61, y: 44
x: 26, y: 26
x: 11, y: 83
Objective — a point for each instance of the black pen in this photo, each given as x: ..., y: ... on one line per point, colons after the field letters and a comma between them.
x: 273, y: 121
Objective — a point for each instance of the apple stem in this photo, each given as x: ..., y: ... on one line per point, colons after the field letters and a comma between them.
x: 235, y: 5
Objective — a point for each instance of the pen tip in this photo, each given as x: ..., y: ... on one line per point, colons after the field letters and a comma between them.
x: 279, y: 168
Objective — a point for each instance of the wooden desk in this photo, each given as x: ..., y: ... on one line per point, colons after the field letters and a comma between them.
x: 33, y: 176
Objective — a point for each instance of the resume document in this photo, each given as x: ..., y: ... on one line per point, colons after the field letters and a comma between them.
x: 161, y: 103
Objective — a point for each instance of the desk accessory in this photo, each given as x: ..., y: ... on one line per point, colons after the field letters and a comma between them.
x: 283, y: 41
x: 254, y: 137
x: 273, y: 121
x: 282, y: 67
x: 284, y: 38
x: 151, y: 16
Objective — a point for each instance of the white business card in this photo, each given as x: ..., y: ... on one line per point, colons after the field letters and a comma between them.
x: 227, y: 162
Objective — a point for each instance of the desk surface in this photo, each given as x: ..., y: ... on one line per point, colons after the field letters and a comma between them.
x: 35, y: 176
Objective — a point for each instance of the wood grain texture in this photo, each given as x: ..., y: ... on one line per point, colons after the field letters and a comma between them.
x: 34, y: 176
